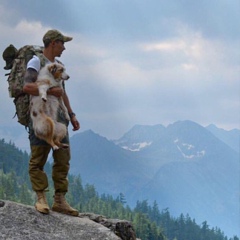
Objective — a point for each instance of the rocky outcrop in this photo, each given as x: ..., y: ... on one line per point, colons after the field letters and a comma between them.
x: 18, y: 221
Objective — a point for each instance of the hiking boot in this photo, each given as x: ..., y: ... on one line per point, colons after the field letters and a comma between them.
x: 41, y: 204
x: 60, y: 205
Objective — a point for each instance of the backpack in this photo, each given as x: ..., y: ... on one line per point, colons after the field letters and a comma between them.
x: 16, y: 61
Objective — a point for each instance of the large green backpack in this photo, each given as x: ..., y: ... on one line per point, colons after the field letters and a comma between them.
x: 16, y: 61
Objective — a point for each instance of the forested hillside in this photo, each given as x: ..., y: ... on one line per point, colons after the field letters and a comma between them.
x: 150, y: 222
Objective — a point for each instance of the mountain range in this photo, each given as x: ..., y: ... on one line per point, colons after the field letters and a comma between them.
x: 185, y: 167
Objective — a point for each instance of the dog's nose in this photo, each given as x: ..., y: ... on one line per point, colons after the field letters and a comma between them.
x: 65, y: 77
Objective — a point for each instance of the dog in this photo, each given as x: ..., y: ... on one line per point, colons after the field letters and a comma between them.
x: 44, y: 108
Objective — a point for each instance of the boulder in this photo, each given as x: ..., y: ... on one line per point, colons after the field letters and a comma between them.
x: 18, y: 221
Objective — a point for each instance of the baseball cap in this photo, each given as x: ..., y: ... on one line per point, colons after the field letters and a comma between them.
x: 55, y: 35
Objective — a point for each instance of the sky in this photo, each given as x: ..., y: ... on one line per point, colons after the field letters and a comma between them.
x: 134, y: 62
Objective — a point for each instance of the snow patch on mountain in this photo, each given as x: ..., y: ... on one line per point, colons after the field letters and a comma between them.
x: 135, y: 147
x: 187, y: 150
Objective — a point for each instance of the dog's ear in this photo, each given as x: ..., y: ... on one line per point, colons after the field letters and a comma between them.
x: 52, y: 68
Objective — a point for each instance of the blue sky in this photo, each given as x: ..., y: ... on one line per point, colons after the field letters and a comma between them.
x: 137, y: 61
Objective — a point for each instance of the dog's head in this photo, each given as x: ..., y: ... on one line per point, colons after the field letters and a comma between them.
x: 58, y: 71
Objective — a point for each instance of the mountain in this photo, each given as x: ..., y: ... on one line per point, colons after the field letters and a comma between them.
x: 201, y: 180
x: 104, y: 164
x: 184, y: 167
x: 140, y: 137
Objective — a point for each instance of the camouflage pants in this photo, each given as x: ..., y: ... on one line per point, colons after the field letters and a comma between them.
x: 39, y: 155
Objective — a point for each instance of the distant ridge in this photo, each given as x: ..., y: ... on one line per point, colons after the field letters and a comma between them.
x: 231, y: 137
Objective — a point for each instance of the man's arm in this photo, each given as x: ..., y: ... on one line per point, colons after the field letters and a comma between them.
x: 31, y: 87
x: 73, y: 119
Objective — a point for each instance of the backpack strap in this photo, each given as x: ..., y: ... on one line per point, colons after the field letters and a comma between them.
x: 42, y: 60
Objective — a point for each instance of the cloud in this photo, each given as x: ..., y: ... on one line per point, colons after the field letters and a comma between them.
x: 184, y: 77
x: 136, y: 63
x: 165, y: 46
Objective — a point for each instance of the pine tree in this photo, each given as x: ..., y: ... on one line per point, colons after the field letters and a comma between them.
x: 25, y: 196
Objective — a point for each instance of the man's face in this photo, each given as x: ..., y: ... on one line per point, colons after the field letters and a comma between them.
x: 58, y: 47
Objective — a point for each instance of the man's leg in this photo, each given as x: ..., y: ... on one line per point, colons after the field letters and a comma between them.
x: 39, y: 155
x: 59, y: 175
x: 60, y: 169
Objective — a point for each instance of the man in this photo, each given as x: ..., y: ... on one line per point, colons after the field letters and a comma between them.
x: 53, y: 47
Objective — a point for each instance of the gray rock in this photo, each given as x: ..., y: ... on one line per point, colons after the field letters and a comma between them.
x: 18, y: 221
x: 121, y: 228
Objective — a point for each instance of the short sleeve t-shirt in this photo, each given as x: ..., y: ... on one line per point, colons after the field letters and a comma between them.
x: 34, y: 63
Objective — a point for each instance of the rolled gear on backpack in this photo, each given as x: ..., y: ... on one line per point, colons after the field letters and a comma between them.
x: 9, y: 54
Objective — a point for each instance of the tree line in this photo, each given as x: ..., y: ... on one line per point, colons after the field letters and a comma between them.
x: 150, y: 223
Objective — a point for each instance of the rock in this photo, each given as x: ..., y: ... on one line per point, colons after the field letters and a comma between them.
x: 2, y: 204
x: 23, y: 222
x: 121, y: 228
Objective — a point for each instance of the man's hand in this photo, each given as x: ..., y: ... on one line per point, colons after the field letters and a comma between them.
x: 75, y: 123
x: 56, y: 91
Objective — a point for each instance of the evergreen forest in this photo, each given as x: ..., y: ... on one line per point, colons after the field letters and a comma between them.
x: 150, y: 222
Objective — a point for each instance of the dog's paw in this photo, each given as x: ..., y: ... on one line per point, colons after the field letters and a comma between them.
x: 55, y: 147
x: 44, y: 99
